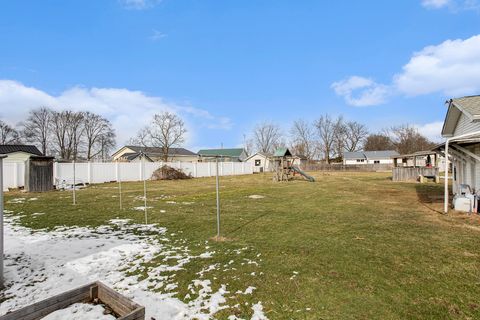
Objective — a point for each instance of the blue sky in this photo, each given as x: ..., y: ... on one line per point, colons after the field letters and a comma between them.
x: 226, y: 65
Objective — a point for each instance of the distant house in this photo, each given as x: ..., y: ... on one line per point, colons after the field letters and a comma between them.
x: 227, y: 155
x: 369, y: 157
x: 261, y: 162
x: 135, y: 153
x: 19, y: 152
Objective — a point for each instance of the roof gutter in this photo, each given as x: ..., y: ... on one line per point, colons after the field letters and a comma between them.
x: 447, y: 142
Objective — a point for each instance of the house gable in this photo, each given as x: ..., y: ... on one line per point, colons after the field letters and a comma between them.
x: 463, y: 116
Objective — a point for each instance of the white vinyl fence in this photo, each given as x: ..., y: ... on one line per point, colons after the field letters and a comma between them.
x: 99, y: 172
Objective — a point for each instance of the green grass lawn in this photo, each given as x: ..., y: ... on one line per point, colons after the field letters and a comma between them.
x: 363, y: 246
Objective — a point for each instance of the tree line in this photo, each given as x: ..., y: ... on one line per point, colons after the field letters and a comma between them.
x: 69, y: 135
x: 328, y: 138
x: 81, y: 134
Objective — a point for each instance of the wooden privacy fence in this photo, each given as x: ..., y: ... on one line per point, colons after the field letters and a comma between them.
x: 123, y: 307
x: 413, y: 173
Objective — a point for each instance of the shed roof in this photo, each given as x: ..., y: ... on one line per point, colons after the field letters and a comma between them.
x: 282, y: 152
x: 383, y: 154
x: 233, y: 152
x: 11, y: 148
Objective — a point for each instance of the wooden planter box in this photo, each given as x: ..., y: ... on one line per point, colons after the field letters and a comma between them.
x: 125, y: 308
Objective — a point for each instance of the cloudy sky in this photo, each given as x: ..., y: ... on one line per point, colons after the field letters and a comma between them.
x: 226, y: 65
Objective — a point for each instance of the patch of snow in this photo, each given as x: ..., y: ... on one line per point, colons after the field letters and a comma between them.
x: 41, y: 263
x: 171, y: 202
x: 256, y: 196
x: 38, y: 214
x: 258, y: 312
x: 32, y: 199
x: 80, y: 311
x: 142, y: 208
x: 16, y: 200
x: 207, y: 255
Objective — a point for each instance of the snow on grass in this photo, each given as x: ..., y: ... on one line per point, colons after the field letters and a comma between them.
x: 16, y: 200
x: 258, y: 312
x: 142, y: 208
x: 80, y: 311
x: 40, y: 264
x: 256, y: 196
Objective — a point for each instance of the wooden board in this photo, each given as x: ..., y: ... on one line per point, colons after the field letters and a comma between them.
x: 122, y: 306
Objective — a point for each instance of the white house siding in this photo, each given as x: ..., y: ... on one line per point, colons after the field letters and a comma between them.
x: 465, y: 125
x: 369, y: 161
x: 17, y: 157
x: 264, y: 163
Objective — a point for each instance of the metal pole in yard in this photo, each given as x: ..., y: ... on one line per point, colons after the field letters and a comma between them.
x: 144, y: 189
x: 74, y: 185
x: 119, y: 186
x: 217, y: 183
x: 1, y: 219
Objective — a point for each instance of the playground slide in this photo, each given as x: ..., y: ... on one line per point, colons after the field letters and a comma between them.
x: 303, y: 173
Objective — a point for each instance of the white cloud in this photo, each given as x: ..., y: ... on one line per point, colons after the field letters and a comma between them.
x: 157, y: 35
x: 451, y: 68
x: 127, y: 110
x: 454, y: 6
x: 431, y: 130
x: 139, y: 4
x: 359, y: 91
x: 435, y: 4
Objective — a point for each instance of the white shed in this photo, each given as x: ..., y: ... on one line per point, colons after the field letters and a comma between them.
x: 261, y: 162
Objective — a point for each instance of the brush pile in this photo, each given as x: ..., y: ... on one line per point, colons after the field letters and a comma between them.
x: 169, y: 173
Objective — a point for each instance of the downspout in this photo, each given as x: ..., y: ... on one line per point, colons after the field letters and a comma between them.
x: 466, y: 135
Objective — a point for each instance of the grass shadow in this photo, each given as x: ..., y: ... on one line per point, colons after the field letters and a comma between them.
x: 430, y: 196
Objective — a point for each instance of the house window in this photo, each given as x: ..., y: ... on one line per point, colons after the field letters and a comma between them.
x: 376, y: 161
x: 360, y: 160
x: 258, y: 163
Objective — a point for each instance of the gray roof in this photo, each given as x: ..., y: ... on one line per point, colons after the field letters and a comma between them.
x: 10, y: 148
x: 470, y: 105
x: 152, y: 151
x: 386, y: 154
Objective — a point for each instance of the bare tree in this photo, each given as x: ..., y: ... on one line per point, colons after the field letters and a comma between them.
x: 8, y: 134
x: 355, y: 134
x: 167, y: 130
x: 67, y: 129
x: 36, y: 128
x: 329, y: 132
x: 141, y: 138
x: 105, y: 144
x: 378, y: 142
x: 303, y: 139
x: 406, y: 139
x: 267, y: 137
x: 99, y: 134
x: 248, y: 145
